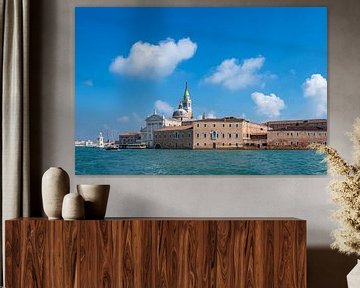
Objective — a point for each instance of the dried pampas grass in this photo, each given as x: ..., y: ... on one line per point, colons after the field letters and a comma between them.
x: 345, y: 192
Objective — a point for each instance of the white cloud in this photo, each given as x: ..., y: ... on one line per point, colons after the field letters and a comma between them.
x: 123, y: 119
x: 210, y: 115
x: 268, y: 105
x: 154, y: 60
x: 315, y: 88
x: 163, y: 107
x: 235, y: 76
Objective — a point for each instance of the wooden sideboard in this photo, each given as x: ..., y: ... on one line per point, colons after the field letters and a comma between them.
x: 156, y: 252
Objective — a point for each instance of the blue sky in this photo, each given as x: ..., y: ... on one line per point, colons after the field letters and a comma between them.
x: 257, y: 63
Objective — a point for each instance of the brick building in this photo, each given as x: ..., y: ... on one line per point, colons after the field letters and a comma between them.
x: 129, y: 138
x: 296, y: 137
x: 180, y: 137
x: 220, y: 133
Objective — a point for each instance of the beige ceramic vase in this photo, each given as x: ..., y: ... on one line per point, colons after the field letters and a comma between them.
x: 73, y: 207
x: 96, y: 198
x: 55, y: 185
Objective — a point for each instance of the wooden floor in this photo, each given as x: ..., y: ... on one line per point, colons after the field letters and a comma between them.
x: 156, y: 253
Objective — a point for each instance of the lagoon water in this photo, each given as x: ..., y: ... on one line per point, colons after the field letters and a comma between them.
x: 94, y: 161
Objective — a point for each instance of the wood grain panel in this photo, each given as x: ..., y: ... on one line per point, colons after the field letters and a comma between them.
x: 164, y: 252
x: 56, y: 245
x: 71, y: 248
x: 33, y: 253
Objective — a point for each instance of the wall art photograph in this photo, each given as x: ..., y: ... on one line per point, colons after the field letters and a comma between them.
x: 200, y: 90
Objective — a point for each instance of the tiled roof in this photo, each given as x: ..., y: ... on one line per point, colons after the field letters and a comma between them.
x: 301, y: 128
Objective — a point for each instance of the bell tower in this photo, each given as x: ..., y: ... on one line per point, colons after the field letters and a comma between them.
x: 187, y: 101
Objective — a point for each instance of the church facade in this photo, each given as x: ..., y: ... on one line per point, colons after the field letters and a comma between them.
x: 156, y: 122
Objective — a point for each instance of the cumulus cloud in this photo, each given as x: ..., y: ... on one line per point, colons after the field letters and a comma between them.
x: 235, y: 76
x: 154, y: 60
x: 163, y: 107
x: 268, y: 105
x: 315, y: 89
x: 123, y: 119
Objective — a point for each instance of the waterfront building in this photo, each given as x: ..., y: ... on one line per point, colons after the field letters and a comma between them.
x: 180, y: 137
x: 296, y: 134
x: 225, y: 133
x: 129, y: 138
x: 218, y: 133
x: 153, y: 123
x: 286, y: 124
x: 296, y: 137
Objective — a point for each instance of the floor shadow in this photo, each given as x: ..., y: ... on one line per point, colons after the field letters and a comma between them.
x: 328, y: 268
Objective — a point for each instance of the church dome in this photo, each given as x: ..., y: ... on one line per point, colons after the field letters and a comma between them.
x: 179, y: 113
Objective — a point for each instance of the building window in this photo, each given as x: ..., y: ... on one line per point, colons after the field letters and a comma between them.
x: 229, y: 135
x: 197, y: 135
x: 229, y: 125
x: 189, y: 135
x: 237, y: 144
x: 223, y: 135
x: 204, y: 125
x: 213, y: 135
x: 204, y: 135
x: 229, y: 144
x: 214, y: 125
x: 236, y: 135
x: 198, y: 125
x: 223, y: 144
x: 223, y: 125
x: 237, y: 125
x: 197, y: 144
x: 204, y: 144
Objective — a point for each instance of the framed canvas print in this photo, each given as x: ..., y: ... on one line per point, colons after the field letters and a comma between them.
x: 200, y: 90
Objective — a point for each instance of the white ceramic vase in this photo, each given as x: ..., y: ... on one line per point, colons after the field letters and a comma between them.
x: 353, y: 278
x: 96, y: 198
x: 55, y: 185
x: 73, y: 207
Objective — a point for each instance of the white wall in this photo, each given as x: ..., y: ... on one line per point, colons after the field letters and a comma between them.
x: 52, y: 92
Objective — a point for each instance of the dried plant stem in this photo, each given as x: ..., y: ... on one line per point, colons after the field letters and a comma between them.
x: 345, y: 192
